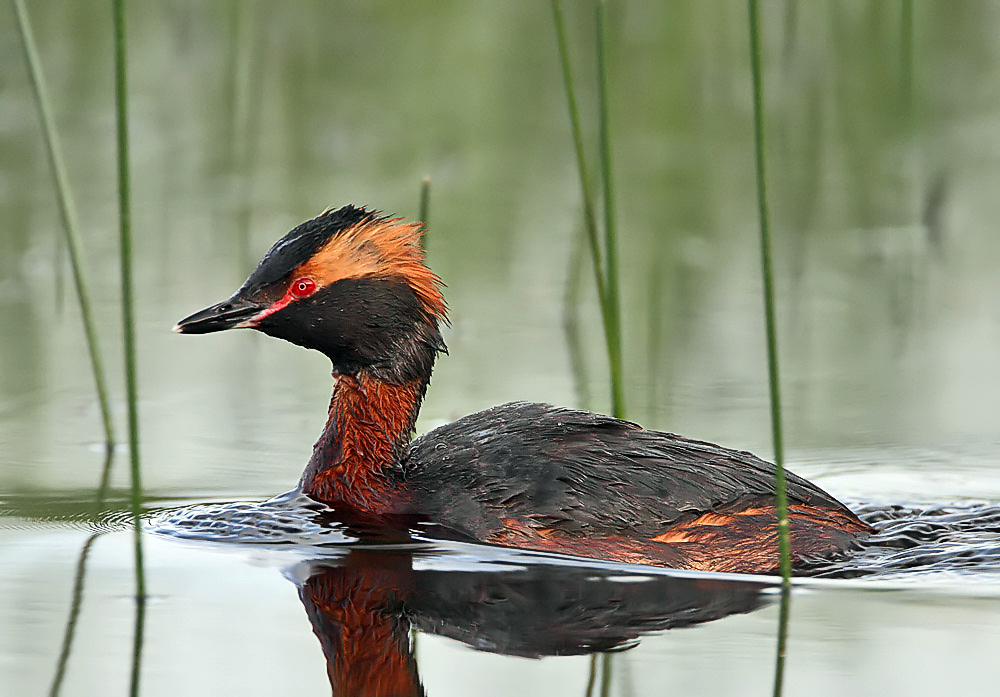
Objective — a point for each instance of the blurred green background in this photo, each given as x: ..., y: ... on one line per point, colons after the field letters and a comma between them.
x: 249, y: 117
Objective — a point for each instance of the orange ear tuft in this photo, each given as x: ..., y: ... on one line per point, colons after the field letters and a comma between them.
x: 380, y: 247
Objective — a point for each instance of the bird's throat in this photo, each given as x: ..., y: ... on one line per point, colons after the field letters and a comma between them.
x: 355, y: 462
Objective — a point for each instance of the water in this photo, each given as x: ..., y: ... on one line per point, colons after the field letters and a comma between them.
x: 248, y: 118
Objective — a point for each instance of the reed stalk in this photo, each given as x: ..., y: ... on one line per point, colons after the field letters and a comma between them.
x: 423, y: 215
x: 247, y: 63
x: 125, y: 238
x: 609, y: 313
x: 784, y: 542
x: 425, y: 209
x: 590, y: 219
x: 102, y: 487
x: 128, y: 322
x: 610, y: 226
x: 67, y: 211
x: 784, y: 546
x: 571, y: 320
x: 58, y: 262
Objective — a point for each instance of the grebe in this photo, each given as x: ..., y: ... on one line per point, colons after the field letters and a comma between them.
x: 352, y: 284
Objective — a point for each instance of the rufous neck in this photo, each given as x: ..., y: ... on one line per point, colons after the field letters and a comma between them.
x: 355, y: 462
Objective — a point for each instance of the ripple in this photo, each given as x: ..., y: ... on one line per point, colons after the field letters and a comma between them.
x: 910, y: 538
x: 288, y: 519
x: 921, y: 538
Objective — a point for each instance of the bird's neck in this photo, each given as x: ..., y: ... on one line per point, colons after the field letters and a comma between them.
x: 355, y: 462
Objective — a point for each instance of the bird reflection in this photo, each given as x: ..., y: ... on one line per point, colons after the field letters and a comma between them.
x: 362, y: 607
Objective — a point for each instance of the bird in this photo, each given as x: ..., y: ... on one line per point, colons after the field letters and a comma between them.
x: 352, y: 283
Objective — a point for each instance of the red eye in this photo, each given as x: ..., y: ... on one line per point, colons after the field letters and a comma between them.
x: 303, y: 287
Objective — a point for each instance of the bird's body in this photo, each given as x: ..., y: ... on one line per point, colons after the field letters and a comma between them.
x: 353, y: 285
x: 543, y: 477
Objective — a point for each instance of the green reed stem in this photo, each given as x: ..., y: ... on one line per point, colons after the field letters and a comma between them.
x: 125, y: 236
x: 128, y: 322
x: 610, y: 227
x: 247, y: 63
x: 571, y: 320
x: 74, y: 615
x: 784, y: 546
x: 59, y: 287
x: 102, y: 487
x: 784, y: 541
x: 581, y: 161
x: 609, y: 314
x: 68, y: 213
x: 425, y: 209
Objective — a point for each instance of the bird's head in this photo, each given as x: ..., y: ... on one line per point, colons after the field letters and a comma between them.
x: 350, y: 283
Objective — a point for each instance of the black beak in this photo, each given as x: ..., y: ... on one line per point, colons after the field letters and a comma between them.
x: 229, y: 314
